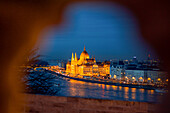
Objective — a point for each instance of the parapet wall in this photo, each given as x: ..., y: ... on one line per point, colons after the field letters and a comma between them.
x: 55, y: 104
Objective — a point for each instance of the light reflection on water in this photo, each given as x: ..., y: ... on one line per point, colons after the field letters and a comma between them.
x: 141, y: 90
x: 133, y: 90
x: 150, y: 91
x: 126, y: 92
x: 120, y: 87
x: 101, y: 91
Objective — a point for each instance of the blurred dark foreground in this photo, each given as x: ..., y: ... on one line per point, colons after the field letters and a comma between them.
x: 22, y: 21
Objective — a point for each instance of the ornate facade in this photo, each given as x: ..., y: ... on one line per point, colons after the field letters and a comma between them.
x: 87, y: 66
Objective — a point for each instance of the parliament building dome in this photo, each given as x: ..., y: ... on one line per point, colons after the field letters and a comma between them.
x: 84, y: 54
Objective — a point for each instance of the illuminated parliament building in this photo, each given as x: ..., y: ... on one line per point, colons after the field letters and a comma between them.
x: 87, y: 66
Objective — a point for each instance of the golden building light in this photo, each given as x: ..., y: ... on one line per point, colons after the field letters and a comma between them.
x: 149, y: 78
x: 114, y: 76
x: 87, y: 66
x: 75, y: 57
x: 140, y: 78
x: 72, y: 58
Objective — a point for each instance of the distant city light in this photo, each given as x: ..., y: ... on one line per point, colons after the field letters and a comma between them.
x: 149, y: 78
x: 159, y: 79
x: 140, y: 78
x: 114, y: 76
x: 133, y: 78
x: 134, y: 57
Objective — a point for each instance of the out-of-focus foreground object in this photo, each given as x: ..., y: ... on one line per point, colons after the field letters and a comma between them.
x: 22, y: 21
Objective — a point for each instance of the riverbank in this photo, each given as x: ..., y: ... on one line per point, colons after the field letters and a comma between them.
x: 56, y: 104
x: 148, y: 87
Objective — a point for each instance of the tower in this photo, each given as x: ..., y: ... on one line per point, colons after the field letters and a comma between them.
x: 75, y: 57
x: 72, y: 58
x: 87, y: 66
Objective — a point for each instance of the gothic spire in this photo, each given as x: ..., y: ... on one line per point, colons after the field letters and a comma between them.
x: 72, y: 58
x: 75, y: 57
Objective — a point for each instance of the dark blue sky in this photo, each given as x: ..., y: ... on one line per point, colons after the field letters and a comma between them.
x: 108, y: 31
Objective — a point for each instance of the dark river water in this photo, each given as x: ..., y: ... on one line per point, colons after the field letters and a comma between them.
x: 74, y: 88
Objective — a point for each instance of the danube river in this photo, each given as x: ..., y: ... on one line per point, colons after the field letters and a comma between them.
x: 74, y: 88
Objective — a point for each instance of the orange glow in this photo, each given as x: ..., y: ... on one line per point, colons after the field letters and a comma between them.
x: 114, y: 87
x: 149, y: 78
x: 126, y: 89
x: 159, y: 79
x: 133, y: 89
x: 120, y: 87
x: 73, y: 91
x: 103, y: 86
x: 86, y: 66
x: 100, y: 85
x: 107, y: 87
x: 133, y: 95
x: 141, y: 90
x: 76, y: 81
x: 167, y: 80
x: 140, y: 78
x: 152, y: 91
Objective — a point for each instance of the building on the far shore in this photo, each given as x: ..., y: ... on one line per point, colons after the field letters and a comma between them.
x: 87, y: 66
x: 147, y: 71
x: 134, y: 75
x: 117, y: 72
x: 155, y: 76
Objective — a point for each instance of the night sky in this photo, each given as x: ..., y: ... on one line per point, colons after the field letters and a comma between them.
x: 108, y: 31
